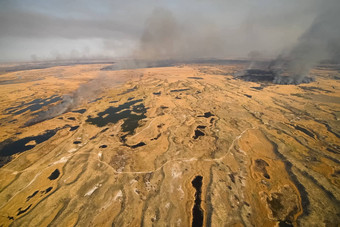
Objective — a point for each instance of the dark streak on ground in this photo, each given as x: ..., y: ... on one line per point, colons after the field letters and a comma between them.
x: 288, y: 166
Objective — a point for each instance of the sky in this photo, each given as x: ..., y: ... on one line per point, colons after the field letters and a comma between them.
x: 152, y: 29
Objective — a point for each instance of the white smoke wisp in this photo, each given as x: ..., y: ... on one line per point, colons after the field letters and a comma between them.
x: 82, y: 95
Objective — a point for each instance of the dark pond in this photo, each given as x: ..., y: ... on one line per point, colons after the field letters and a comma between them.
x: 31, y: 196
x: 257, y: 88
x: 195, y: 77
x: 197, y: 211
x: 178, y: 90
x: 54, y: 175
x: 104, y: 130
x: 198, y: 133
x: 138, y: 145
x: 8, y: 148
x: 20, y: 211
x: 156, y: 138
x: 114, y: 114
x: 48, y: 190
x: 74, y: 128
x: 32, y: 106
x: 207, y: 115
x: 81, y: 111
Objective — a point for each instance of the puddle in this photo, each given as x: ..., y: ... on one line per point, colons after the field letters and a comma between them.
x: 20, y: 211
x: 197, y: 211
x: 179, y: 90
x: 54, y: 175
x: 81, y: 111
x: 31, y: 196
x: 257, y: 88
x: 104, y: 130
x: 47, y: 190
x: 138, y: 145
x: 198, y: 133
x: 207, y: 115
x: 195, y: 78
x: 156, y: 138
x: 74, y: 128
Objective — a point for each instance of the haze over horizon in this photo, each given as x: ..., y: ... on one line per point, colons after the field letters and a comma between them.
x: 41, y: 30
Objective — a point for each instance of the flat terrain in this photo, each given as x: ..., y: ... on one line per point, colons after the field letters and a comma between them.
x: 168, y: 146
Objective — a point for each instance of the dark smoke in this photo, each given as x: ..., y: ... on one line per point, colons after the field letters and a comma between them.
x: 168, y: 38
x: 321, y: 41
x: 160, y: 37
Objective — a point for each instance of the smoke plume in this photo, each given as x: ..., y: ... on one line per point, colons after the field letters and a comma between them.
x: 168, y: 38
x: 83, y: 94
x: 321, y: 41
x: 160, y: 36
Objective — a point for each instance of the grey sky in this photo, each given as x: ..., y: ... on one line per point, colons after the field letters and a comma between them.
x: 50, y: 29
